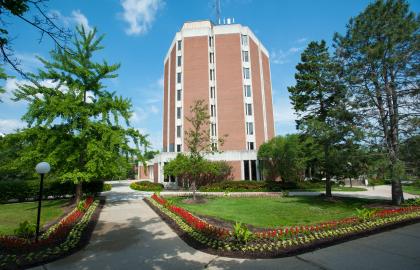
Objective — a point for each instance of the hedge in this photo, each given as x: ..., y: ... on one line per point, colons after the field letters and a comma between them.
x: 242, y: 186
x: 146, y: 186
x: 23, y: 190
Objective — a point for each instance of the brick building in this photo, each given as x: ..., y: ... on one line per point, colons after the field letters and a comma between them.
x: 228, y: 67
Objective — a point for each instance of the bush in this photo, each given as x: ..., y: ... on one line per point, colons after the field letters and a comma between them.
x: 26, y: 230
x: 107, y: 187
x: 146, y: 186
x: 23, y: 190
x: 241, y: 186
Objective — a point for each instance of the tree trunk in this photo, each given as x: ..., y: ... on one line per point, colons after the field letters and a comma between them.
x: 396, y: 188
x: 328, y: 185
x: 194, y: 189
x: 351, y: 184
x: 79, y: 192
x: 327, y: 172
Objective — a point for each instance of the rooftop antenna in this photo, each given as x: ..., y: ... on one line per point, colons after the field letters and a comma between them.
x: 217, y: 6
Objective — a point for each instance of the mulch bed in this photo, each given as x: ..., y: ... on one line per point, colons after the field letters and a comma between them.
x: 285, y: 252
x: 84, y: 240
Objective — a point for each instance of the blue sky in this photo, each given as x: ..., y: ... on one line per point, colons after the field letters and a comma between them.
x: 139, y: 32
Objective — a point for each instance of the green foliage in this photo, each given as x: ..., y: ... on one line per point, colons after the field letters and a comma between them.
x: 320, y: 100
x: 241, y: 186
x: 75, y: 122
x: 3, y: 76
x: 365, y: 214
x: 283, y: 157
x: 146, y: 186
x: 26, y: 230
x: 241, y: 233
x: 107, y: 187
x: 22, y: 190
x: 81, y: 206
x: 380, y: 54
x: 199, y: 170
x: 412, y: 202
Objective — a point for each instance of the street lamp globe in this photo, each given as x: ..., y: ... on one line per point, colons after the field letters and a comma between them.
x: 42, y: 168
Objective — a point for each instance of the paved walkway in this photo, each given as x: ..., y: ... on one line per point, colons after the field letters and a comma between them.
x: 129, y: 235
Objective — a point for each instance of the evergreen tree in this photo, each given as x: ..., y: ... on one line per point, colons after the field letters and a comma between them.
x: 381, y: 56
x: 75, y: 120
x: 320, y: 101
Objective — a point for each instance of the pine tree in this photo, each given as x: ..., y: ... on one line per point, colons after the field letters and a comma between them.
x: 75, y: 119
x: 381, y: 56
x: 320, y: 101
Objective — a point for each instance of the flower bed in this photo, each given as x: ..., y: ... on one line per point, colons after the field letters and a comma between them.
x: 240, y: 242
x: 61, y: 239
x: 146, y: 186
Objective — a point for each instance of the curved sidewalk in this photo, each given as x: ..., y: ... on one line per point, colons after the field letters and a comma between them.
x: 129, y: 235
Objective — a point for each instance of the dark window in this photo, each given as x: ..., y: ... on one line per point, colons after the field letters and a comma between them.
x: 178, y: 131
x: 178, y: 148
x: 253, y: 170
x: 178, y: 94
x: 247, y: 90
x: 179, y: 61
x: 178, y: 113
x: 179, y: 45
x: 246, y: 73
x: 246, y: 169
x: 250, y: 145
x: 178, y: 77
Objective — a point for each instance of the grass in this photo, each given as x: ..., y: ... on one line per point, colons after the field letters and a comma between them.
x: 12, y: 214
x: 415, y: 190
x: 344, y: 189
x: 275, y: 212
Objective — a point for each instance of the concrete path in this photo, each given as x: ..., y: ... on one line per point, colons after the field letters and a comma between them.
x: 379, y: 192
x: 129, y: 235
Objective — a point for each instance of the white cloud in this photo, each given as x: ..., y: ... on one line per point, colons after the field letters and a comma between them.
x: 76, y: 18
x: 283, y: 111
x: 301, y: 40
x: 281, y: 57
x: 80, y: 19
x: 154, y: 109
x: 10, y: 125
x: 140, y: 14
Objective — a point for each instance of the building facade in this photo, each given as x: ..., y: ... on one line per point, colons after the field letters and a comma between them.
x: 227, y: 67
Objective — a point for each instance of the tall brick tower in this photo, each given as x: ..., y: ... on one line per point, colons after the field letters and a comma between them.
x: 227, y: 67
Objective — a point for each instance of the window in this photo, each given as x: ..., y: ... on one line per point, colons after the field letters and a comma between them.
x: 213, y: 129
x: 179, y: 45
x: 211, y: 39
x: 211, y: 74
x: 214, y: 146
x: 178, y: 148
x: 179, y: 61
x: 246, y: 169
x: 249, y: 128
x: 244, y: 40
x: 247, y: 89
x: 246, y: 73
x: 213, y: 110
x: 212, y: 93
x: 178, y: 94
x: 250, y: 145
x: 178, y: 77
x: 245, y: 56
x: 178, y: 113
x: 178, y: 131
x: 248, y: 109
x: 211, y: 58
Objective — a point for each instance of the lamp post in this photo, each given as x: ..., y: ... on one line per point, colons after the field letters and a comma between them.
x: 41, y: 168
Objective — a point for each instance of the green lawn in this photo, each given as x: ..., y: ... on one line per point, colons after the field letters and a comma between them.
x: 412, y: 189
x: 346, y: 189
x: 12, y: 214
x: 275, y: 212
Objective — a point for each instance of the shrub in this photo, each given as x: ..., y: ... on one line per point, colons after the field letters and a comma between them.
x: 365, y: 214
x: 241, y: 186
x: 26, y: 230
x: 146, y: 186
x: 107, y: 187
x: 23, y: 190
x: 241, y: 232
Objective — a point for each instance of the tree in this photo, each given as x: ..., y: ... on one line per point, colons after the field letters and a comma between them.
x: 75, y: 120
x: 381, y: 56
x: 283, y: 156
x: 199, y: 143
x: 320, y: 101
x: 40, y: 20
